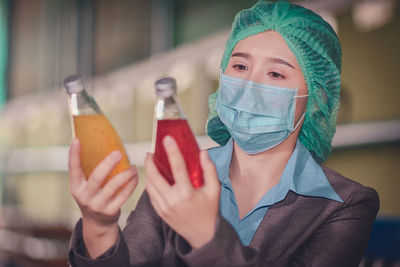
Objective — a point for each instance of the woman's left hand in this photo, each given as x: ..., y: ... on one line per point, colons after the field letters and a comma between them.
x: 191, y: 212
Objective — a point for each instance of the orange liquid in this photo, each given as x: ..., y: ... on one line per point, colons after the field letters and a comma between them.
x: 98, y: 139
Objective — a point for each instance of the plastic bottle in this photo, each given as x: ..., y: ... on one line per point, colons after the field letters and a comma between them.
x: 96, y: 134
x: 170, y: 120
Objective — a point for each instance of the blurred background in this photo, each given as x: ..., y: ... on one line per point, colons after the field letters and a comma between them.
x: 122, y: 47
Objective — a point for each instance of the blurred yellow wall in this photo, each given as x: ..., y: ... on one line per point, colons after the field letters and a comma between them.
x: 371, y: 81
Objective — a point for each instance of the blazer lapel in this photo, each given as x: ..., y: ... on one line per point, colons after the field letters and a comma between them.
x: 275, y: 233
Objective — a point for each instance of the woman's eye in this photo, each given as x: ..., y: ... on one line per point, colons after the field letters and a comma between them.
x: 275, y: 75
x: 239, y: 67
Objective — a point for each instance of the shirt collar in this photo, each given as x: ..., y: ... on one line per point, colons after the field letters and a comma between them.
x: 302, y: 175
x: 222, y: 156
x: 307, y: 176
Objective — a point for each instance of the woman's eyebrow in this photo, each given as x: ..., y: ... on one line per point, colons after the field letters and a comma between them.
x: 240, y: 54
x: 281, y: 61
x: 272, y: 59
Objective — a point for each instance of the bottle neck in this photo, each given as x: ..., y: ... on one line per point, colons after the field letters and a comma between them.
x: 83, y: 104
x: 168, y: 108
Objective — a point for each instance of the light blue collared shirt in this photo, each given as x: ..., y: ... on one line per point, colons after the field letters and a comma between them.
x: 302, y: 175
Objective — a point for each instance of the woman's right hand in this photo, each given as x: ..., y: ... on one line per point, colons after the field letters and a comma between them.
x: 100, y: 206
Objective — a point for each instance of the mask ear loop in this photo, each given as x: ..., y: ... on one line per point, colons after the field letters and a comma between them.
x: 300, y: 96
x: 302, y: 116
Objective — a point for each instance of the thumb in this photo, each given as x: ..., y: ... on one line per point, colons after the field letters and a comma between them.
x: 209, y: 173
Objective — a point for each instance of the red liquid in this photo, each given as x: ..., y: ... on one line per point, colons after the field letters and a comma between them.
x: 179, y: 129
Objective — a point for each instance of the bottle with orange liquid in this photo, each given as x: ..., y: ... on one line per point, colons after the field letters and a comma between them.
x: 96, y: 134
x: 170, y: 120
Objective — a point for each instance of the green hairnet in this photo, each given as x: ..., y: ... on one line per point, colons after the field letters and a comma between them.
x: 317, y: 49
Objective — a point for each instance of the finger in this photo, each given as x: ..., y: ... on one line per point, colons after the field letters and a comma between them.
x: 209, y: 172
x: 156, y: 199
x: 153, y: 175
x: 122, y: 196
x: 75, y: 170
x: 102, y: 170
x: 116, y: 183
x: 177, y: 162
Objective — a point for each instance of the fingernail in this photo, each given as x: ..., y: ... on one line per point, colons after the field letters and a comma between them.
x: 74, y: 141
x: 168, y: 141
x: 116, y: 155
x: 148, y: 155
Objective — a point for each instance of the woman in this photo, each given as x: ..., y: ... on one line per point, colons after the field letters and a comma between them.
x: 266, y: 200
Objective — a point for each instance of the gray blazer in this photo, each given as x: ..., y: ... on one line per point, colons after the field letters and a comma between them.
x: 298, y: 231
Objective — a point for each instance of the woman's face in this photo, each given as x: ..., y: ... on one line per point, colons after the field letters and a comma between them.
x: 266, y: 58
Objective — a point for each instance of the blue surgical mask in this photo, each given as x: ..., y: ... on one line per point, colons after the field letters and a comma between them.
x: 258, y: 116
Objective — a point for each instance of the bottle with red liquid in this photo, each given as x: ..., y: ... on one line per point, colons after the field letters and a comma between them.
x: 170, y: 120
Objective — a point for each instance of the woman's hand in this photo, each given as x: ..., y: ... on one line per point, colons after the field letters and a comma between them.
x: 100, y: 206
x: 191, y: 212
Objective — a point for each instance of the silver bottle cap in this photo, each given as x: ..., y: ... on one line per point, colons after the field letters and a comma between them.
x: 165, y: 87
x: 74, y: 84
